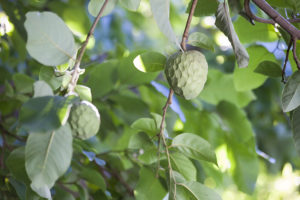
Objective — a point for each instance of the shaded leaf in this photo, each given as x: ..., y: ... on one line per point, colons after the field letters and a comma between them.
x: 94, y: 177
x: 224, y: 23
x: 201, y: 40
x: 184, y: 166
x: 49, y: 41
x: 194, y: 147
x: 140, y: 141
x: 148, y: 186
x: 47, y: 74
x: 269, y: 68
x: 23, y: 83
x: 147, y: 125
x: 204, y: 7
x: 291, y: 93
x: 296, y: 128
x: 150, y: 62
x: 41, y: 88
x: 47, y: 157
x: 161, y: 11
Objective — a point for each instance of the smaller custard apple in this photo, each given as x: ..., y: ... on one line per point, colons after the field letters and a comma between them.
x: 186, y: 73
x: 84, y: 120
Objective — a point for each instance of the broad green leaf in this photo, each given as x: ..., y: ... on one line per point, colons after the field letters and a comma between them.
x: 148, y: 186
x: 19, y: 187
x: 146, y: 125
x: 49, y: 41
x: 213, y: 93
x: 140, y: 141
x: 291, y: 93
x: 94, y: 177
x: 129, y: 75
x: 150, y: 156
x: 63, y: 194
x: 41, y: 88
x: 84, y: 92
x: 44, y: 114
x: 184, y: 166
x: 296, y: 128
x: 47, y: 74
x: 269, y: 68
x: 259, y: 32
x: 161, y: 11
x: 224, y: 23
x: 16, y: 164
x: 23, y: 83
x: 95, y: 6
x: 102, y: 78
x: 194, y: 147
x: 198, y: 191
x: 204, y: 7
x: 201, y: 40
x: 150, y: 61
x: 241, y: 143
x: 47, y: 157
x: 132, y: 5
x: 246, y: 79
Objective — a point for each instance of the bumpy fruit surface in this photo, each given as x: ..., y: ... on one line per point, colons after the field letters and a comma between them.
x: 84, y: 120
x: 186, y: 73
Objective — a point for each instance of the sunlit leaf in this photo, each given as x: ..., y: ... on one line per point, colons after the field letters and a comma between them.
x: 150, y: 62
x: 131, y: 4
x: 224, y: 23
x: 184, y: 166
x: 201, y: 40
x: 95, y: 6
x: 161, y: 11
x: 84, y: 92
x: 194, y: 147
x: 49, y: 41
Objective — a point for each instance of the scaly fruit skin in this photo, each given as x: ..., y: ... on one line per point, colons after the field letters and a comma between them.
x: 186, y: 73
x: 84, y: 120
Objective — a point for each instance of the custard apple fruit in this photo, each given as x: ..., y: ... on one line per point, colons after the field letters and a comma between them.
x: 84, y: 120
x: 186, y: 73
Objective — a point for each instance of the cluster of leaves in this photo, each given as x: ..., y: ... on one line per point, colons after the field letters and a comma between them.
x: 40, y: 157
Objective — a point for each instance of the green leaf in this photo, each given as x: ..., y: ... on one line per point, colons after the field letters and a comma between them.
x: 94, y: 177
x: 198, y: 191
x: 224, y: 23
x: 246, y: 79
x: 291, y: 93
x: 269, y: 68
x: 161, y: 13
x: 146, y: 125
x: 102, y: 78
x: 150, y: 156
x: 241, y: 144
x: 213, y: 93
x: 47, y: 74
x: 184, y: 166
x: 194, y: 147
x: 23, y: 83
x: 95, y: 6
x: 129, y: 75
x: 44, y: 114
x: 16, y: 164
x: 132, y: 5
x: 201, y: 40
x: 49, y: 41
x: 150, y: 61
x: 148, y: 186
x: 140, y: 141
x: 41, y: 88
x: 296, y: 128
x: 204, y: 7
x: 84, y: 92
x: 47, y: 157
x: 250, y: 34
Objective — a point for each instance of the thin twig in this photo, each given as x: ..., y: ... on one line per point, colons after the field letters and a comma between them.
x: 161, y: 131
x: 187, y: 25
x: 65, y: 188
x: 295, y: 53
x: 76, y: 71
x: 286, y: 60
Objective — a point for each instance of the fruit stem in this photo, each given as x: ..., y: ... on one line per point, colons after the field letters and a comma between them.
x: 187, y: 26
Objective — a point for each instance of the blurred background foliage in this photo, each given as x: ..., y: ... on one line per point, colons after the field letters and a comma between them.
x: 123, y: 95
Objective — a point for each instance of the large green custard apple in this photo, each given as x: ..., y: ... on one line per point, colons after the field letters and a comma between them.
x: 186, y: 73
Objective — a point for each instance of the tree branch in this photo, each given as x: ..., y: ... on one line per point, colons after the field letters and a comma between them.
x: 187, y: 25
x: 294, y: 52
x: 285, y: 62
x: 76, y: 71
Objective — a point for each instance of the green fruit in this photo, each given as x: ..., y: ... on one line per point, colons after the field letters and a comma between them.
x: 84, y: 120
x: 186, y: 73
